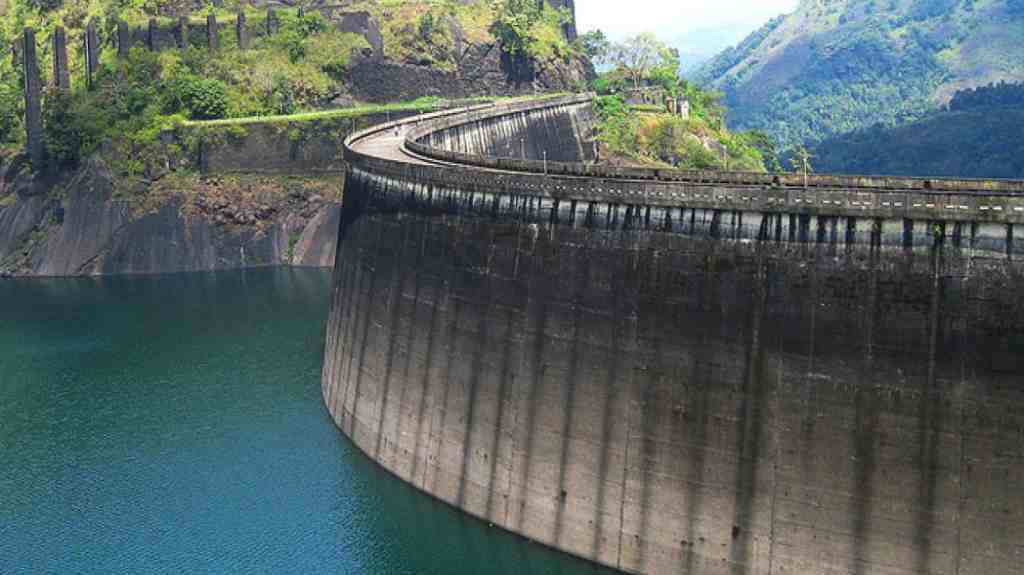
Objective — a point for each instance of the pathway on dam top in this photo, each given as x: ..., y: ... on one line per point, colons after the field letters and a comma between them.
x: 389, y: 145
x: 401, y: 149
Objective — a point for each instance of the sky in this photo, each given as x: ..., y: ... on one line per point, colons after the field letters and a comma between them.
x: 696, y: 26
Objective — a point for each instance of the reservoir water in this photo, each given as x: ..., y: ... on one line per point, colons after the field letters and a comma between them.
x: 173, y: 424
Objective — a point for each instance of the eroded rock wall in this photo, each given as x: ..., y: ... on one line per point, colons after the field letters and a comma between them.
x: 482, y: 70
x: 197, y: 224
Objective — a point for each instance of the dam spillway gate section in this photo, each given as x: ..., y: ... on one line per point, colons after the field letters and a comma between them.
x: 680, y: 372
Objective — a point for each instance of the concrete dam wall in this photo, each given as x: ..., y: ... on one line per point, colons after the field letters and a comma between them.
x: 681, y: 376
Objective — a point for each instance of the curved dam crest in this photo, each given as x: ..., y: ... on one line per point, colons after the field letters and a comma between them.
x: 670, y: 372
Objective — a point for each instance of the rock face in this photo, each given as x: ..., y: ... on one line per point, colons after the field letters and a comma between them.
x: 202, y: 225
x: 484, y: 70
x: 363, y: 24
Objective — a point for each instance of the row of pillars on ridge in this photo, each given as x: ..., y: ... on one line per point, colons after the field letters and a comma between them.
x: 62, y: 76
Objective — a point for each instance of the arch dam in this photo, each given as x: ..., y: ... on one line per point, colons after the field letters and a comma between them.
x: 680, y: 372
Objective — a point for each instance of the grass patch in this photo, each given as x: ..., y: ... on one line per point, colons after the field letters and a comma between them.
x: 421, y: 104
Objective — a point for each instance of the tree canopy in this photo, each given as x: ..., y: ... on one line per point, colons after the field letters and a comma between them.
x: 644, y: 57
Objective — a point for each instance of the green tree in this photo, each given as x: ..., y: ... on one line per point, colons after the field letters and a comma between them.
x: 764, y: 144
x: 596, y: 46
x: 666, y: 72
x: 10, y: 113
x: 204, y: 98
x: 514, y: 23
x: 529, y: 28
x: 639, y: 55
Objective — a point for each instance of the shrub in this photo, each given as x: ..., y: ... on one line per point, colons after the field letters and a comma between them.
x: 65, y: 135
x: 529, y: 28
x: 10, y: 116
x: 199, y: 98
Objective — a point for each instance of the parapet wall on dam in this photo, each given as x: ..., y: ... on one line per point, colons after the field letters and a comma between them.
x: 682, y: 376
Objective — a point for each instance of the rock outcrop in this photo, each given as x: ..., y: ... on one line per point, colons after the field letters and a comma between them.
x: 483, y: 70
x: 89, y: 227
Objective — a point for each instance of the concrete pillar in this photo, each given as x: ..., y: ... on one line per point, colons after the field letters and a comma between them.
x: 151, y: 35
x: 123, y: 39
x: 183, y: 32
x: 33, y: 104
x: 211, y: 32
x: 272, y: 23
x: 570, y: 27
x: 92, y: 52
x: 241, y: 32
x: 61, y: 76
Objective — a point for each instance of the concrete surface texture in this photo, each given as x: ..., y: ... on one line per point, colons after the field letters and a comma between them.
x: 674, y: 386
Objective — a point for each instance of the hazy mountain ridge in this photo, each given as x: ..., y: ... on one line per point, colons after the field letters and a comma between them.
x: 835, y: 66
x: 978, y: 136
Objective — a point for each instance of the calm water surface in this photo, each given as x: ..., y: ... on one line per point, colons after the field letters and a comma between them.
x: 173, y: 424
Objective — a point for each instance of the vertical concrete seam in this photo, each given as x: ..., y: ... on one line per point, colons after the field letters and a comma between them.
x: 409, y: 356
x: 961, y: 475
x: 524, y: 319
x: 629, y: 433
x: 776, y: 433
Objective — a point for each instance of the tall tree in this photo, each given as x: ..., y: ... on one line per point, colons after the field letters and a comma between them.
x: 639, y: 55
x: 595, y: 45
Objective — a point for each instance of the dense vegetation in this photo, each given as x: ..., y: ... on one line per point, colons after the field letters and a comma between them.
x: 993, y: 96
x: 979, y: 135
x: 649, y: 134
x: 301, y: 68
x: 840, y: 66
x: 427, y: 32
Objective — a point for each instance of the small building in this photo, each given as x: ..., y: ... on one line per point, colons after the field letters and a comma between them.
x: 678, y: 107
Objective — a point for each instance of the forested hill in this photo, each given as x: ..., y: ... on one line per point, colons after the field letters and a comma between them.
x: 979, y: 135
x: 835, y: 66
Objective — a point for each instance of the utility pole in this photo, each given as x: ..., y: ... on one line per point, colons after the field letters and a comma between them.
x: 804, y: 159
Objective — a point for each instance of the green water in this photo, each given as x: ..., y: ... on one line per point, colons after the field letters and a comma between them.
x: 174, y: 424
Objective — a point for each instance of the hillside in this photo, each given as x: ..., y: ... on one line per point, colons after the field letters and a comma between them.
x: 329, y: 56
x: 125, y: 176
x: 978, y: 136
x: 835, y: 66
x: 649, y: 135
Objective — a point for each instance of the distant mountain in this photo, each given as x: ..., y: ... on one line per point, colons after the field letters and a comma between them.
x: 978, y: 136
x: 697, y: 47
x: 690, y: 62
x: 836, y: 66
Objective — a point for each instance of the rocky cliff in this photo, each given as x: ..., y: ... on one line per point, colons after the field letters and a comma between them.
x: 419, y: 50
x: 211, y: 196
x: 86, y: 225
x: 483, y: 69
